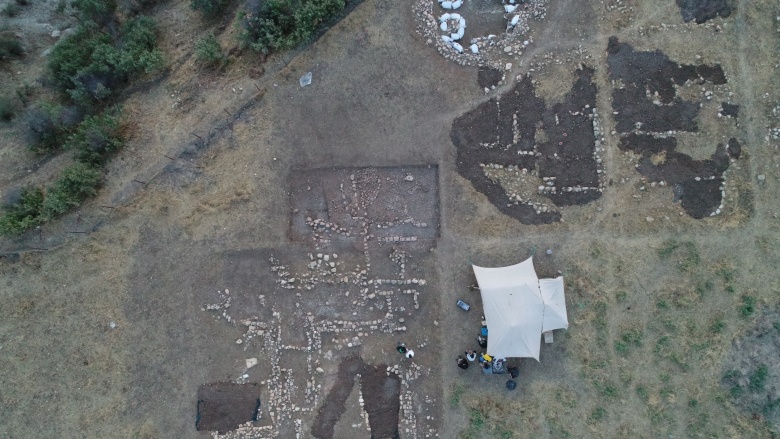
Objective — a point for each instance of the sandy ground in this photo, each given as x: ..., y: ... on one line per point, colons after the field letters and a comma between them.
x: 381, y: 97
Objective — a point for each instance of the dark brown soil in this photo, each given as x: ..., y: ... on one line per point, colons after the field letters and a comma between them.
x: 485, y: 136
x: 703, y: 10
x: 729, y: 110
x: 654, y: 72
x: 488, y: 77
x: 697, y: 183
x: 224, y: 406
x: 380, y: 391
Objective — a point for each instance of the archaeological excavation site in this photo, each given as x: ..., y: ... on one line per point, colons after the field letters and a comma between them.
x: 367, y: 219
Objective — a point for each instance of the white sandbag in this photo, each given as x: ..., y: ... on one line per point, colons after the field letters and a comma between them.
x: 474, y: 48
x: 462, y: 23
x: 460, y: 33
x: 512, y: 1
x: 444, y: 17
x: 455, y: 37
x: 455, y: 16
x: 444, y: 26
x: 456, y: 4
x: 446, y: 5
x: 515, y: 20
x: 457, y: 47
x: 446, y: 39
x: 509, y: 8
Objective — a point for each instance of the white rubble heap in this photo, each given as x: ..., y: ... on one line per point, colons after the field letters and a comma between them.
x: 446, y: 31
x: 293, y: 402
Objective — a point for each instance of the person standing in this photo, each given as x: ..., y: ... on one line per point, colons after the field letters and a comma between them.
x: 462, y: 363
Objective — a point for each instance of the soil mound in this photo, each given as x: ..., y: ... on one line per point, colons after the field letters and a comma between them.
x: 703, y: 10
x: 224, y: 406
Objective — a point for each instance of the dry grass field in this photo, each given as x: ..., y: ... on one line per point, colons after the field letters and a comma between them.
x: 391, y: 164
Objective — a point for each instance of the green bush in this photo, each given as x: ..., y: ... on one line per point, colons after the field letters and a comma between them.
x: 748, y: 305
x: 10, y: 47
x: 24, y: 213
x: 88, y: 67
x: 283, y: 24
x: 74, y: 55
x: 7, y: 111
x: 96, y: 138
x: 208, y: 52
x: 758, y: 378
x: 11, y: 10
x: 99, y: 11
x: 139, y: 51
x: 46, y: 129
x: 76, y: 184
x: 209, y: 8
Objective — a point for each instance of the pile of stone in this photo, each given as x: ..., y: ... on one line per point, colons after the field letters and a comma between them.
x: 484, y: 50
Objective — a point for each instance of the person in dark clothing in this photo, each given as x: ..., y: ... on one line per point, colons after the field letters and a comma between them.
x: 463, y: 363
x: 401, y: 348
x: 482, y: 342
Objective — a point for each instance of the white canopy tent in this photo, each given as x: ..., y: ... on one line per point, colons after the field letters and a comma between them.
x: 519, y: 307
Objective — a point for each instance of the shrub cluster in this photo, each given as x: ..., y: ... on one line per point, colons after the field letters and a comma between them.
x: 48, y: 125
x: 95, y: 138
x: 24, y: 213
x: 209, y: 8
x: 92, y: 141
x: 274, y: 25
x: 209, y: 53
x: 89, y: 67
x: 7, y: 111
x: 37, y: 205
x: 10, y: 46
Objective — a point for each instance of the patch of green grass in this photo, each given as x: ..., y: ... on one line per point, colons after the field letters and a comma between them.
x: 704, y: 287
x: 748, y: 306
x: 7, y: 110
x: 621, y: 296
x: 667, y: 248
x: 457, y: 393
x: 476, y: 419
x: 776, y: 325
x: 662, y: 304
x: 598, y: 414
x: 629, y: 338
x: 758, y: 378
x: 600, y: 322
x: 689, y: 254
x: 726, y: 274
x: 717, y: 326
x: 642, y: 393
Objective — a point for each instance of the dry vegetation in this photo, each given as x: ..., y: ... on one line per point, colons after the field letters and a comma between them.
x: 654, y: 307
